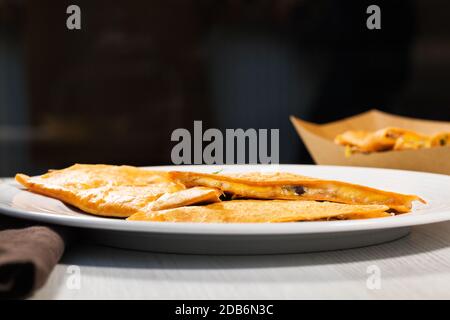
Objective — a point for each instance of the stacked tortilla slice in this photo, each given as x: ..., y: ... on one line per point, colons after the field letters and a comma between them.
x: 144, y: 195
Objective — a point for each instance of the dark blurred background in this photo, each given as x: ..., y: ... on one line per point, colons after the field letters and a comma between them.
x: 114, y: 91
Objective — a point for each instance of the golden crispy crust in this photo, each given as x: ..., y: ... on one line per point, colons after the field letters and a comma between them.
x: 113, y: 191
x: 295, y: 187
x: 260, y: 211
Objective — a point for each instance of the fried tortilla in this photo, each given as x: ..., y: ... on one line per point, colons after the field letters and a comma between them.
x: 186, y: 197
x: 113, y: 191
x: 290, y: 186
x: 389, y: 139
x: 252, y: 211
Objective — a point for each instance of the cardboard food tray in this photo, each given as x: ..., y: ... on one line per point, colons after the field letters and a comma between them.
x: 319, y: 139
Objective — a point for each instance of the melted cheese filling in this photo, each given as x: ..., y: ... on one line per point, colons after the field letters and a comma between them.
x: 326, y: 192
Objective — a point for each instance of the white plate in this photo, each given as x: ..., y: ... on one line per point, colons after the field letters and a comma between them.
x: 249, y: 238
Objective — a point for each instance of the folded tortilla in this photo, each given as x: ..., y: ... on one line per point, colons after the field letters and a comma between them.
x: 260, y: 211
x: 294, y: 187
x: 113, y: 191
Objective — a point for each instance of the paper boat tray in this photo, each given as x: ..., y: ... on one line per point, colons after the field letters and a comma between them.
x: 318, y: 138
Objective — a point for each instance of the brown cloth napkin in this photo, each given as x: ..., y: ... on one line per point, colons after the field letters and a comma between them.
x: 27, y: 257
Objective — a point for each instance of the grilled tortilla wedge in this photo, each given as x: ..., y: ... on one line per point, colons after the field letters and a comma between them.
x: 290, y: 186
x: 186, y: 197
x: 113, y: 191
x: 248, y: 211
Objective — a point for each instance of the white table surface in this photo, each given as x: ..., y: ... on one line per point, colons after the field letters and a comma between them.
x: 414, y: 267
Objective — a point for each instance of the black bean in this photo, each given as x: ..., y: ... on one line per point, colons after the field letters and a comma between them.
x: 299, y: 190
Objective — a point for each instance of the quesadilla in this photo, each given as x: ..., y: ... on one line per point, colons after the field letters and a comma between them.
x: 113, y: 191
x: 389, y: 139
x: 290, y: 186
x: 248, y: 211
x: 124, y: 191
